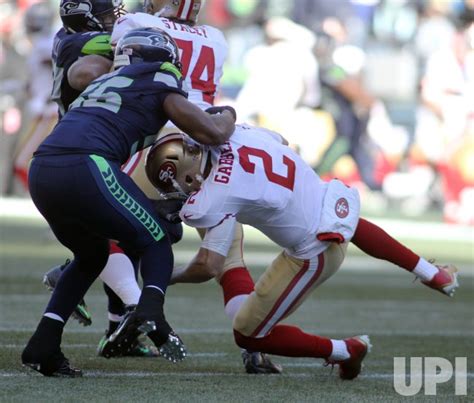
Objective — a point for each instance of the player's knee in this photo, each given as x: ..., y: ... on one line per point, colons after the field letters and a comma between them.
x: 240, y: 324
x: 94, y: 257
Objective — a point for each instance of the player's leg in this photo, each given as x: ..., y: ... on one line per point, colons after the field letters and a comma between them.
x: 280, y: 290
x: 138, y: 228
x: 51, y: 278
x: 62, y: 209
x: 43, y: 350
x: 374, y: 241
x: 255, y: 362
x: 120, y: 272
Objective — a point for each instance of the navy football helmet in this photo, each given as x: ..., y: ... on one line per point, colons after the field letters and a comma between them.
x: 146, y: 45
x: 90, y: 15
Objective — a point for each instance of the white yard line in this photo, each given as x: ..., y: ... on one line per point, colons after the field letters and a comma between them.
x: 149, y: 374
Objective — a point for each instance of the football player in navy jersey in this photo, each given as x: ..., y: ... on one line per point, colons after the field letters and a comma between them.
x: 81, y: 53
x: 83, y: 44
x: 91, y: 200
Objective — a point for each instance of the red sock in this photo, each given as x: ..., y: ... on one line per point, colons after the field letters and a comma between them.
x: 235, y: 282
x: 374, y: 241
x: 289, y: 341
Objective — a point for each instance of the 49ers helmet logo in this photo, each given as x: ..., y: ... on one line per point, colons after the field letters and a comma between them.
x: 342, y: 208
x: 167, y: 171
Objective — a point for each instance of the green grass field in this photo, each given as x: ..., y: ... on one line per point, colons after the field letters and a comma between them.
x: 403, y: 319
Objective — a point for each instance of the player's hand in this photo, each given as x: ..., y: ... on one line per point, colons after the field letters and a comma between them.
x: 169, y: 209
x: 215, y: 110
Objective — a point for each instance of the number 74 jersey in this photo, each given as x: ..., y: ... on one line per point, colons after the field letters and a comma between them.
x: 265, y: 184
x: 203, y: 50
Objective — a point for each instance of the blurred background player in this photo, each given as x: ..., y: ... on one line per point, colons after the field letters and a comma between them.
x: 42, y: 112
x: 203, y: 50
x: 256, y: 180
x: 91, y: 200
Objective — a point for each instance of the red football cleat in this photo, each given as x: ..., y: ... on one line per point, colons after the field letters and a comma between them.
x: 358, y: 347
x: 445, y: 281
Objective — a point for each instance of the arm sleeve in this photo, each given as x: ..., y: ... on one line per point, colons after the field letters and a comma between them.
x: 219, y: 239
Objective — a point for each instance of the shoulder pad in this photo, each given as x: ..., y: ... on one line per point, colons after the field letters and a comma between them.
x: 171, y: 68
x: 98, y: 45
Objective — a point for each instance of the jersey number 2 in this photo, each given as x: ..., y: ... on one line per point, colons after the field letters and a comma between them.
x: 287, y: 181
x: 205, y: 61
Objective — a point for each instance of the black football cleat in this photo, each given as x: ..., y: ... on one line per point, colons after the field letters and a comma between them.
x: 259, y: 363
x: 54, y: 365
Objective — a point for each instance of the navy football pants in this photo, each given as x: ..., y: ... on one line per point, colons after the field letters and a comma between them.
x: 87, y: 200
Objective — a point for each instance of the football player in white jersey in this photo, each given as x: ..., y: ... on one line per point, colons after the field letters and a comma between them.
x: 203, y: 50
x: 255, y: 179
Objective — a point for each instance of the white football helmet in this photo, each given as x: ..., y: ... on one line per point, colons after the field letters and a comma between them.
x: 184, y: 10
x: 176, y: 165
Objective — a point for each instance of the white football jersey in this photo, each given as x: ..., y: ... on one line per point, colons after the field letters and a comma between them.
x: 203, y: 50
x: 263, y: 183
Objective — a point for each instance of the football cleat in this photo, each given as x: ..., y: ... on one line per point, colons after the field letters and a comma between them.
x: 259, y: 363
x: 445, y: 281
x: 56, y: 365
x: 51, y: 278
x: 141, y: 350
x: 358, y: 347
x: 124, y: 341
x: 173, y: 349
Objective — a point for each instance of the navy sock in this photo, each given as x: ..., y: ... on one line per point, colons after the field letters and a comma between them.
x: 115, y: 304
x: 157, y: 264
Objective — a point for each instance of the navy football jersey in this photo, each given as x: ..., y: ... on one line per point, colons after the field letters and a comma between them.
x: 118, y: 114
x: 67, y: 49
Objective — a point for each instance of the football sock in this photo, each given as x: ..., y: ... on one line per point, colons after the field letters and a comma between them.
x: 157, y: 264
x: 339, y: 351
x: 289, y: 341
x: 53, y: 316
x: 425, y: 270
x: 48, y: 334
x: 115, y: 304
x: 150, y: 307
x: 119, y: 275
x: 374, y: 241
x: 236, y: 285
x: 112, y: 327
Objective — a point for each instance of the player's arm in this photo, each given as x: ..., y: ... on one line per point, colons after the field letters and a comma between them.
x: 86, y: 69
x: 209, y: 261
x: 201, y: 126
x: 203, y: 267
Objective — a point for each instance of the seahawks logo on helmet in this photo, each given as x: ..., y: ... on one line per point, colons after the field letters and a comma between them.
x: 70, y: 8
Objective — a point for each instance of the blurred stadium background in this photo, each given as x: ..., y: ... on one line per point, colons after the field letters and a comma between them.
x: 379, y: 93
